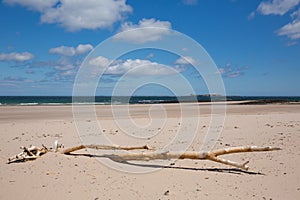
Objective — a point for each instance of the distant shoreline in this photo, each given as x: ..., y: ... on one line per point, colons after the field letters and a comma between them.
x: 123, y: 100
x: 242, y: 102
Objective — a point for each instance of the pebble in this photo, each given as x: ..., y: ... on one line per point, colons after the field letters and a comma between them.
x: 167, y: 192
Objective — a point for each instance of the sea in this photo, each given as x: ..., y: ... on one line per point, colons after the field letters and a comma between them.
x: 108, y: 100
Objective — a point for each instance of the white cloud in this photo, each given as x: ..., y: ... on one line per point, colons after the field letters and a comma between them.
x: 190, y: 2
x: 63, y: 50
x: 251, y: 15
x: 83, y: 48
x: 228, y: 73
x: 69, y: 61
x: 18, y: 57
x: 71, y: 51
x: 281, y: 7
x: 221, y: 71
x: 151, y: 55
x: 146, y: 30
x: 234, y: 74
x: 186, y: 60
x: 231, y: 72
x: 291, y: 43
x: 276, y: 7
x: 296, y: 14
x: 133, y: 67
x: 64, y: 67
x: 37, y: 5
x: 291, y: 30
x: 67, y: 73
x: 100, y: 61
x: 80, y: 14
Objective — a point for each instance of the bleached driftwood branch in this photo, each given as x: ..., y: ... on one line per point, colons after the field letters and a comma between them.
x: 30, y: 153
x: 212, y: 155
x: 33, y: 152
x: 104, y: 147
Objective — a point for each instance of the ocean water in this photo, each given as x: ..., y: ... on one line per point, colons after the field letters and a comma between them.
x: 107, y: 100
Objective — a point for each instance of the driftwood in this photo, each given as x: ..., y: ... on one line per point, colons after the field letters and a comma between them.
x: 30, y: 153
x: 104, y: 147
x: 33, y: 152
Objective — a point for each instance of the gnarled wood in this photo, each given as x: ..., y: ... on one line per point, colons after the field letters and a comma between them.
x: 33, y: 152
x: 30, y: 153
x: 212, y: 155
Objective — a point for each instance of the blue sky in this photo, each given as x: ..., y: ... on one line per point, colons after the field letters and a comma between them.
x: 254, y: 45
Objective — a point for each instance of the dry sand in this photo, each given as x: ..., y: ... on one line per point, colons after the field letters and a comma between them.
x: 272, y: 175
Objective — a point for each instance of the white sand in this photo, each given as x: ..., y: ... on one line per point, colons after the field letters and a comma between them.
x: 272, y: 175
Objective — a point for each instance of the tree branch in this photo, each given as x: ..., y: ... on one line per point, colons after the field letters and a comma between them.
x: 33, y: 152
x: 212, y: 155
x: 104, y: 147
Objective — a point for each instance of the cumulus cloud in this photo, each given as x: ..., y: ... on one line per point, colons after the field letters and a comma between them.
x: 186, y: 60
x: 133, y: 67
x: 100, y: 61
x: 77, y: 15
x: 292, y: 29
x: 71, y: 51
x: 68, y: 63
x: 282, y: 7
x: 63, y: 51
x: 17, y: 57
x: 276, y: 7
x: 83, y: 48
x: 146, y: 30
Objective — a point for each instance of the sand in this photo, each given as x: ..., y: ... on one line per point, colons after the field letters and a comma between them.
x: 272, y: 175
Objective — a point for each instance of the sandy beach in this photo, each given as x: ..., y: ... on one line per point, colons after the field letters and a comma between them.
x: 272, y: 175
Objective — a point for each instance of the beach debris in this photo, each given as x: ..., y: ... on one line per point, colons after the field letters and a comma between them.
x: 33, y: 152
x: 56, y: 146
x: 166, y: 193
x: 30, y: 153
x: 104, y: 147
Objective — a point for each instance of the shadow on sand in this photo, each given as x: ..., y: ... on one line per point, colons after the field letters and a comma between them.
x: 218, y: 170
